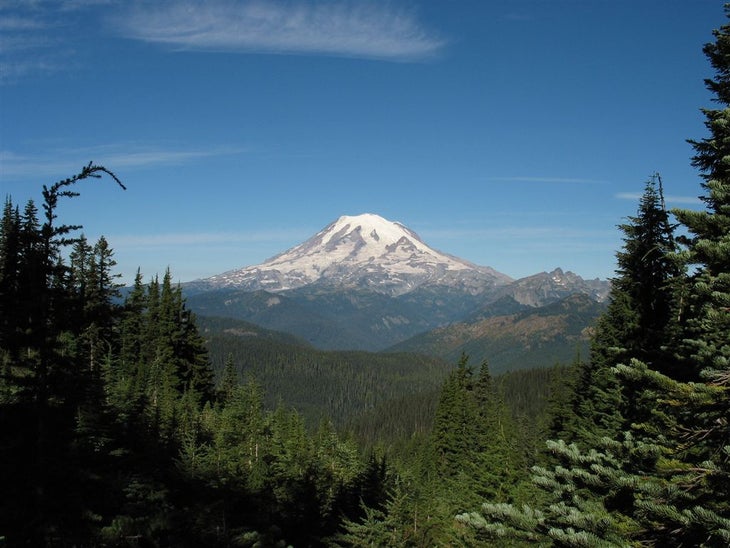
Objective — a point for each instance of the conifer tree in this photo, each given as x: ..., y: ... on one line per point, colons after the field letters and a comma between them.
x: 635, y: 324
x: 228, y: 382
x: 239, y: 439
x: 93, y: 310
x: 702, y: 409
x: 78, y: 279
x: 30, y: 289
x: 103, y: 292
x: 290, y: 448
x: 151, y: 327
x: 180, y: 348
x: 127, y: 380
x: 48, y: 392
x: 707, y: 314
x: 497, y: 463
x: 455, y: 423
x: 9, y: 294
x: 646, y: 270
x: 664, y: 481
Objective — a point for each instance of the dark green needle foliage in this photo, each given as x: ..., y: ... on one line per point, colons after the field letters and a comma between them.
x: 113, y: 432
x: 635, y: 325
x: 655, y: 468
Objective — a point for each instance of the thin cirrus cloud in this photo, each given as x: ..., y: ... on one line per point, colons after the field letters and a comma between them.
x: 204, y: 238
x: 64, y: 162
x: 28, y: 46
x: 19, y: 23
x: 361, y: 29
x: 545, y: 180
x: 686, y: 200
x: 39, y: 37
x: 531, y: 234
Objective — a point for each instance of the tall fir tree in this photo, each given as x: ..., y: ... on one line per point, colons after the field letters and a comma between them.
x: 471, y: 454
x: 40, y: 341
x: 127, y: 380
x: 455, y: 424
x: 707, y: 314
x: 228, y: 382
x: 635, y: 324
x: 665, y: 480
x: 702, y: 409
x: 9, y: 296
x: 497, y: 461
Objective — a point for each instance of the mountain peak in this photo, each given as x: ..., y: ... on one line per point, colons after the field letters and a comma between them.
x: 367, y: 223
x: 370, y: 231
x: 361, y: 251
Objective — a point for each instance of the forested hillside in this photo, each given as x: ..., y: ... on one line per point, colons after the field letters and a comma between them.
x: 526, y: 339
x: 113, y: 430
x: 382, y: 398
x: 334, y: 384
x: 117, y: 431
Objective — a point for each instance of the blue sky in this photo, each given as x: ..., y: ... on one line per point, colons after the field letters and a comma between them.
x: 512, y: 133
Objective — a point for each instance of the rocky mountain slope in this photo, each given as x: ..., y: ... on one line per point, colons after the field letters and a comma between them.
x: 532, y: 337
x: 364, y: 251
x: 366, y: 283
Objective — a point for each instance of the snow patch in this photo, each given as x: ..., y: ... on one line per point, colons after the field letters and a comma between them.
x: 365, y: 250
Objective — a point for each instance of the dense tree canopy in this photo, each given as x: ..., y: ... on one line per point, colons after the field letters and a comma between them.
x: 113, y: 430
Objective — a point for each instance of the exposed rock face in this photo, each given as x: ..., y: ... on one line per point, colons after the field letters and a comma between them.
x: 363, y: 251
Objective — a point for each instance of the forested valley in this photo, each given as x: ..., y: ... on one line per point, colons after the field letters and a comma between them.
x: 127, y: 421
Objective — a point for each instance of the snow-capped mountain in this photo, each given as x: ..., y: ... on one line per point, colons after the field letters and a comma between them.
x: 362, y: 251
x: 366, y: 283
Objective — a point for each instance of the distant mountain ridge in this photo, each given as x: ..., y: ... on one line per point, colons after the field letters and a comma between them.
x: 544, y: 287
x: 366, y: 283
x: 525, y: 339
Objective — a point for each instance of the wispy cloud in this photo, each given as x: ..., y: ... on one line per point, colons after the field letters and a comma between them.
x: 41, y: 37
x: 31, y: 42
x: 686, y: 200
x: 511, y: 233
x: 77, y: 5
x: 19, y: 23
x: 545, y: 180
x: 62, y: 162
x: 14, y: 71
x: 205, y: 238
x: 363, y: 29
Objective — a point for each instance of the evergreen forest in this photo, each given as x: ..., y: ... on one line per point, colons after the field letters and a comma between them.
x: 127, y: 421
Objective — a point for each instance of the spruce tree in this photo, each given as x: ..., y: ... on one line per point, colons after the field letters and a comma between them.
x: 664, y: 480
x: 9, y: 298
x: 455, y: 423
x: 704, y: 408
x: 126, y: 381
x: 49, y: 392
x: 496, y: 462
x: 645, y: 274
x: 9, y: 280
x: 78, y: 280
x: 707, y: 314
x: 635, y: 324
x: 103, y: 294
x: 229, y: 381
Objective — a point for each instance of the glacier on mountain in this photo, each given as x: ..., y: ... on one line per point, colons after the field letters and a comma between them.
x: 362, y: 251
